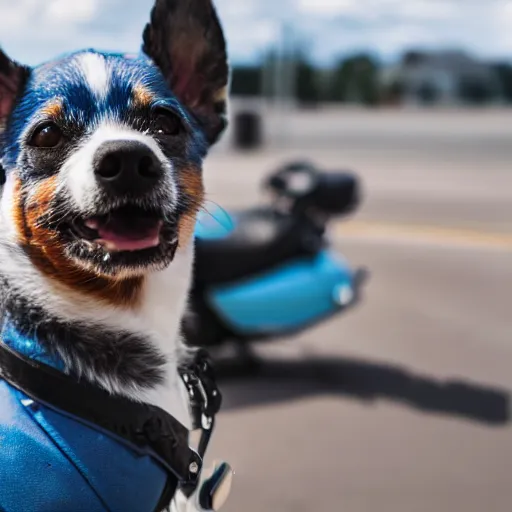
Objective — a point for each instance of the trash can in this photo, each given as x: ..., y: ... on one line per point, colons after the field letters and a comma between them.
x: 247, y: 130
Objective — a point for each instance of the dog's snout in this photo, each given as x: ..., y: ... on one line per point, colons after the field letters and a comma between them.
x: 127, y: 167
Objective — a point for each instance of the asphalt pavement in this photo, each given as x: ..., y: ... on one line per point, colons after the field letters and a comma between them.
x: 403, y: 404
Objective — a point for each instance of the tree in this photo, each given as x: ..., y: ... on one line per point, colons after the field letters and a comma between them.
x: 298, y: 76
x: 504, y: 72
x: 475, y: 91
x: 246, y: 80
x: 355, y: 79
x: 306, y: 81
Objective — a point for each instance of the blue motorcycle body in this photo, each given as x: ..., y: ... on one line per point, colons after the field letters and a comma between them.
x: 281, y: 298
x: 285, y: 299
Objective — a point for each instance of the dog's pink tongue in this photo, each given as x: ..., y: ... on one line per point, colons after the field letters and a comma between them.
x: 131, y: 242
x: 133, y: 237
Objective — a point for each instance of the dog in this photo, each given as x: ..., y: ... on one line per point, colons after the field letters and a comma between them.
x: 102, y: 155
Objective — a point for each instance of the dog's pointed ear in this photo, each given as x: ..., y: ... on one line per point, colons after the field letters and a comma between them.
x: 185, y: 40
x: 13, y: 77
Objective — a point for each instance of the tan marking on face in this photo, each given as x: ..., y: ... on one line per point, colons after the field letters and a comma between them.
x: 142, y: 98
x: 45, y: 249
x: 186, y: 228
x: 220, y: 95
x: 53, y: 109
x: 191, y: 185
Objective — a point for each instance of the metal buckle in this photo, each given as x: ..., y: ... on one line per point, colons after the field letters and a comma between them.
x: 205, y: 397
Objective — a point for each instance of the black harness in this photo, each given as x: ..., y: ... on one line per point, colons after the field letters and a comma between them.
x: 144, y: 427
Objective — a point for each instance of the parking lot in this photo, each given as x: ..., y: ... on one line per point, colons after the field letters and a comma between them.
x: 401, y: 405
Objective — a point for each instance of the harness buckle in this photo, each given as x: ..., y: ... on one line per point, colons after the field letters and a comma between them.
x: 205, y: 397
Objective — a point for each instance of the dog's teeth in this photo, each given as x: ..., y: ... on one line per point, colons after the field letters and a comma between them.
x: 91, y: 223
x: 106, y: 257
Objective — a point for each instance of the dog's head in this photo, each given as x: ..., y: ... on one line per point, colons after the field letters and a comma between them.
x: 103, y: 152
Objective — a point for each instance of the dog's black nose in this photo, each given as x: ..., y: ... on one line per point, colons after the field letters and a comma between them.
x: 127, y: 167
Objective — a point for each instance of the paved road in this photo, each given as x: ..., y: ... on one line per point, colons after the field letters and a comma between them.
x: 403, y: 404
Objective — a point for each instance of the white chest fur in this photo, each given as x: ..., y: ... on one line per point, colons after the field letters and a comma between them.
x: 163, y: 305
x: 158, y: 316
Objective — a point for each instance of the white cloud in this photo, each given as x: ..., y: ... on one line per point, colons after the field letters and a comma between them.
x: 12, y: 19
x: 372, y: 9
x: 390, y: 26
x: 329, y: 7
x: 35, y: 30
x: 65, y: 11
x: 431, y: 10
x: 58, y: 14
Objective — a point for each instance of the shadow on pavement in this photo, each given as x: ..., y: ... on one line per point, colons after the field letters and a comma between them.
x: 283, y: 380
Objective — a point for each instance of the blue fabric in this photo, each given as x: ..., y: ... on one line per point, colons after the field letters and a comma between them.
x: 50, y: 462
x: 28, y: 347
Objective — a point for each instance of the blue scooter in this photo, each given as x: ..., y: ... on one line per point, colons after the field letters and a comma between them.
x: 269, y: 271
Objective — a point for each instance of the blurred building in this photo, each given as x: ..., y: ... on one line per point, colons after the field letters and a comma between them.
x: 441, y: 78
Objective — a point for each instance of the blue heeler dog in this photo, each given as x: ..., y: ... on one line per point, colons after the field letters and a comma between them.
x: 101, y: 158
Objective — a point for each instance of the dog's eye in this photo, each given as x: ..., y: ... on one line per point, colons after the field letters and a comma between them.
x: 47, y: 135
x: 167, y: 123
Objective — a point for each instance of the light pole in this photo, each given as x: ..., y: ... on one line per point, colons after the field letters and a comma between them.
x: 284, y: 76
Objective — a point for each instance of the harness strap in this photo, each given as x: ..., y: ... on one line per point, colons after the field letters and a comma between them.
x: 146, y: 428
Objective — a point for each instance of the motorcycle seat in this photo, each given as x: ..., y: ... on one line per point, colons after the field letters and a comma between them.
x: 260, y: 239
x: 333, y: 193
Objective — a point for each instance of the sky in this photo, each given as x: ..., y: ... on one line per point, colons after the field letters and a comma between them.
x: 36, y: 30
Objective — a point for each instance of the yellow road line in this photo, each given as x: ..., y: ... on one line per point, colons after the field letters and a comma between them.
x: 424, y: 233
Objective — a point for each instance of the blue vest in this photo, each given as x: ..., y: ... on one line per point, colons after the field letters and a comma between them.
x: 52, y: 462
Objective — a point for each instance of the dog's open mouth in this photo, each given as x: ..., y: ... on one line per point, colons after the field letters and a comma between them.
x: 128, y: 228
x: 129, y: 237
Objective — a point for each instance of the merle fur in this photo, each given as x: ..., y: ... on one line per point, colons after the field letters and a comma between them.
x: 186, y: 49
x: 82, y: 112
x: 128, y: 358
